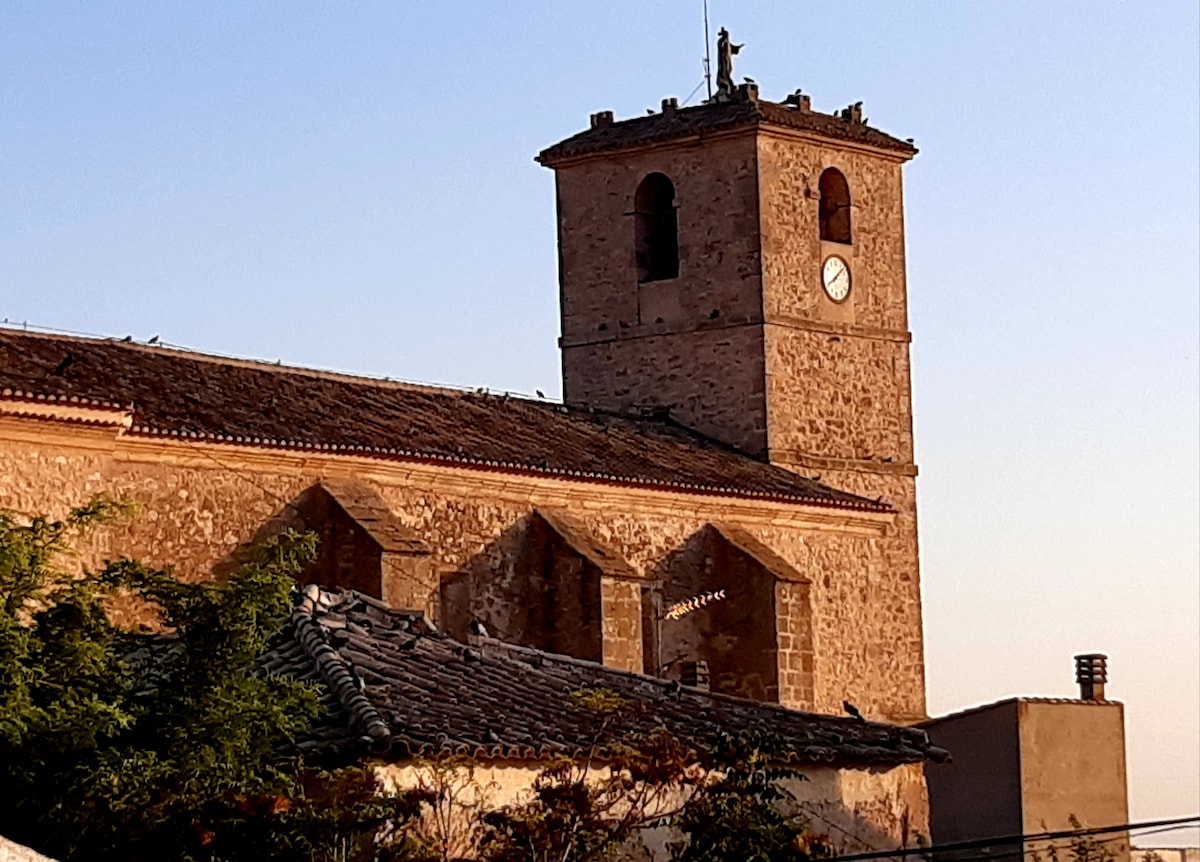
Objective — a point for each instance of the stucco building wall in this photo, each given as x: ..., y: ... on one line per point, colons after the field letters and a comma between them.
x: 978, y: 794
x: 879, y: 808
x: 1073, y: 764
x: 1030, y: 765
x: 13, y: 852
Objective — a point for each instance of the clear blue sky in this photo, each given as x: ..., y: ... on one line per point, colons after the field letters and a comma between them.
x: 351, y: 186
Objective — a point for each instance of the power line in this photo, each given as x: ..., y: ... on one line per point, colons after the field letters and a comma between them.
x: 985, y: 843
x: 1035, y: 852
x: 832, y: 825
x: 695, y: 90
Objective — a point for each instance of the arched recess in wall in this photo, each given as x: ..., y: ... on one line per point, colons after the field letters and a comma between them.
x: 546, y: 582
x: 656, y: 229
x: 762, y: 625
x: 835, y: 207
x: 363, y: 546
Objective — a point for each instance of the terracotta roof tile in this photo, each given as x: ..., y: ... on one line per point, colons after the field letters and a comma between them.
x: 703, y: 119
x: 188, y: 395
x: 491, y: 700
x: 1009, y: 701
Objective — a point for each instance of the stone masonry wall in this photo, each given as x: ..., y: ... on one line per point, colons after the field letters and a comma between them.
x: 842, y: 414
x: 712, y: 381
x: 792, y: 250
x: 838, y: 391
x: 891, y: 587
x: 818, y: 386
x: 200, y: 504
x: 832, y: 396
x: 716, y: 190
x: 622, y: 634
x: 681, y: 343
x: 794, y: 633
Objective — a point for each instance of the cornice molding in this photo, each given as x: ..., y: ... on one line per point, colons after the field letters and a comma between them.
x: 77, y: 412
x: 792, y: 458
x: 576, y: 495
x: 776, y: 131
x: 533, y: 491
x: 829, y: 327
x: 71, y: 433
x: 763, y: 128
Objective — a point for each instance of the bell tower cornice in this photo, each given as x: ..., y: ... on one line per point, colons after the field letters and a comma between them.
x: 744, y: 114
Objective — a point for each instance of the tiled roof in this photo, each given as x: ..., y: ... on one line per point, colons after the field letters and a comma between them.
x: 190, y: 396
x: 403, y: 690
x: 1009, y: 701
x: 724, y: 116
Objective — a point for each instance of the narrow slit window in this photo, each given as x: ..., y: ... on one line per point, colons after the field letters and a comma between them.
x: 835, y: 207
x: 657, y: 229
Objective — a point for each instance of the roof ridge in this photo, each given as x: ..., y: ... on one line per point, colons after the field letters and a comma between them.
x: 1016, y: 699
x: 278, y: 367
x: 334, y: 670
x: 488, y: 699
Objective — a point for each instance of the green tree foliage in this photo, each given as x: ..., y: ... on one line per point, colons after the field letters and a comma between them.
x: 738, y: 811
x: 131, y: 746
x: 119, y: 745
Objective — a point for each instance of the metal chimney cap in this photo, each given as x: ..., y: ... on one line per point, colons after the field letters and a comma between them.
x: 1091, y: 667
x: 1091, y: 673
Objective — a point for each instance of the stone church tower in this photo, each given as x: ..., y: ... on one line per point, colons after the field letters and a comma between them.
x: 739, y: 266
x: 738, y: 421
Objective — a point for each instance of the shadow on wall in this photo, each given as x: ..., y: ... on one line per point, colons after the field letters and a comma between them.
x: 547, y: 583
x: 530, y: 586
x: 735, y: 636
x: 863, y: 810
x: 362, y: 545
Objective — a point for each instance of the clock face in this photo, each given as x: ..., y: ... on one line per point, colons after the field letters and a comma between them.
x: 835, y: 275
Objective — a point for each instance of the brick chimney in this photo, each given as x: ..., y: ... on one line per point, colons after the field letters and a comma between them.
x: 1091, y: 672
